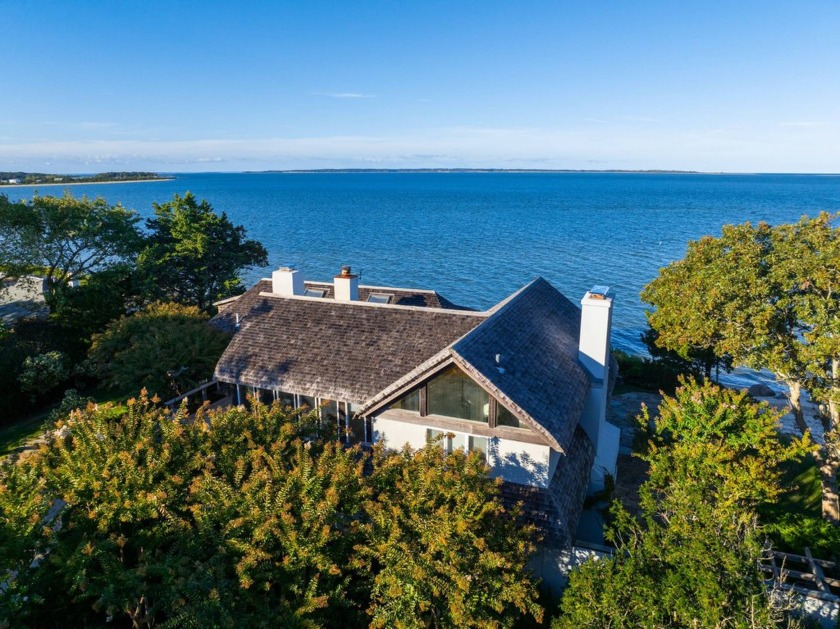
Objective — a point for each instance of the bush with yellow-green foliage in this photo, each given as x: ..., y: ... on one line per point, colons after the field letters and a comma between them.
x: 251, y: 517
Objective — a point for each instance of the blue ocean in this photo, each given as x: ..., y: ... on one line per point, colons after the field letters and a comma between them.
x: 477, y: 237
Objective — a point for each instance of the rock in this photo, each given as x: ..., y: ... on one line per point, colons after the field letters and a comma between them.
x: 761, y: 390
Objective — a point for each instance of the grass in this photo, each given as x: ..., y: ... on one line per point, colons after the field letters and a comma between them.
x: 15, y: 435
x: 804, y: 496
x: 22, y: 431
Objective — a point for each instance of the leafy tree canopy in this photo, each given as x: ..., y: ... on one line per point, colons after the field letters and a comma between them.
x: 447, y: 554
x: 64, y: 238
x: 768, y: 298
x: 246, y: 517
x: 692, y: 559
x: 195, y: 256
x: 165, y: 348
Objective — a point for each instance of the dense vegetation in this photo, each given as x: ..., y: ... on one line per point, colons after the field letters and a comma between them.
x: 39, y: 178
x: 765, y: 297
x: 253, y: 518
x: 103, y: 273
x: 692, y: 559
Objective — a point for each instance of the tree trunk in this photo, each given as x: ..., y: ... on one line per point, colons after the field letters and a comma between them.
x: 827, y: 457
x: 828, y: 462
x: 794, y: 394
x: 834, y: 394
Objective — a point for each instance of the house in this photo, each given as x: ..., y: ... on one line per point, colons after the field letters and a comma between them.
x: 526, y: 383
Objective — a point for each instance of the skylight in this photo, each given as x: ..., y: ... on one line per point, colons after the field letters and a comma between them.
x: 314, y: 292
x: 379, y: 298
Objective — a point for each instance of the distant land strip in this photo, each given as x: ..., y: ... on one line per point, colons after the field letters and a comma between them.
x: 33, y: 179
x: 476, y: 170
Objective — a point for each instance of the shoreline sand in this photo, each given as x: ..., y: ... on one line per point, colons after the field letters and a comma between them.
x: 80, y: 183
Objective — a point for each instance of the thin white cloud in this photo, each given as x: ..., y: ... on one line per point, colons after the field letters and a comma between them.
x: 466, y: 146
x: 344, y: 95
x: 805, y: 124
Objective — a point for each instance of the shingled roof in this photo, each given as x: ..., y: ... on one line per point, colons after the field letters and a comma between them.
x: 535, y: 334
x: 369, y: 353
x: 337, y: 350
x: 243, y: 304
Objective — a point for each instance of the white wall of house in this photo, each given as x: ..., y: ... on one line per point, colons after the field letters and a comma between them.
x: 396, y: 434
x: 523, y: 463
x: 514, y: 461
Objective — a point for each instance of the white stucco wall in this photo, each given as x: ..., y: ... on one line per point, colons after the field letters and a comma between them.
x: 515, y: 461
x: 518, y: 462
x: 396, y: 434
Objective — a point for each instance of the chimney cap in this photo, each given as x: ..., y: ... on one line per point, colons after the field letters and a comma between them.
x: 599, y: 292
x: 345, y: 272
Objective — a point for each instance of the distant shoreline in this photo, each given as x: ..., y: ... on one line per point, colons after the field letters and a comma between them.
x: 81, y: 183
x: 472, y: 170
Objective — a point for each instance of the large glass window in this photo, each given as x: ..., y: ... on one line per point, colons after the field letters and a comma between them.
x: 357, y: 432
x: 307, y: 402
x: 286, y: 399
x: 451, y: 441
x: 480, y: 444
x: 266, y: 396
x: 332, y: 422
x: 410, y: 402
x: 454, y: 394
x: 505, y: 418
x: 437, y: 436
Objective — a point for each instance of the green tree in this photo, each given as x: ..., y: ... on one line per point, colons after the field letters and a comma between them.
x: 693, y: 558
x: 766, y: 297
x: 247, y: 517
x: 195, y: 256
x: 64, y: 238
x: 239, y: 518
x: 98, y: 299
x: 166, y: 348
x: 43, y: 373
x: 808, y: 265
x: 442, y: 548
x: 697, y: 362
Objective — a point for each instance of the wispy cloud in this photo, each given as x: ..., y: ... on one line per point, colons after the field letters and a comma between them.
x: 344, y: 95
x: 469, y: 146
x: 803, y: 123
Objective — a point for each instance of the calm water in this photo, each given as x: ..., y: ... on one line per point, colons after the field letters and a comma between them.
x: 478, y: 237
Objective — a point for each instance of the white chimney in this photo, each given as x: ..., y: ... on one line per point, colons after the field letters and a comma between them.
x: 595, y: 327
x: 594, y: 356
x: 346, y: 285
x: 287, y: 281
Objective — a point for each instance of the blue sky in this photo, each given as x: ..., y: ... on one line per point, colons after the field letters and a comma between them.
x: 224, y: 86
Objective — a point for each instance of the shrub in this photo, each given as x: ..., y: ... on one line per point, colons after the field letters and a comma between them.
x: 647, y: 373
x: 43, y: 373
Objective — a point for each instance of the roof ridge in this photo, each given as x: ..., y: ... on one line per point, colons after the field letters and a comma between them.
x: 369, y: 304
x: 400, y: 288
x: 510, y: 299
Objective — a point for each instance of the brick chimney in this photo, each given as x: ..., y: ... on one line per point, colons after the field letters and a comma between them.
x: 346, y: 285
x: 287, y: 281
